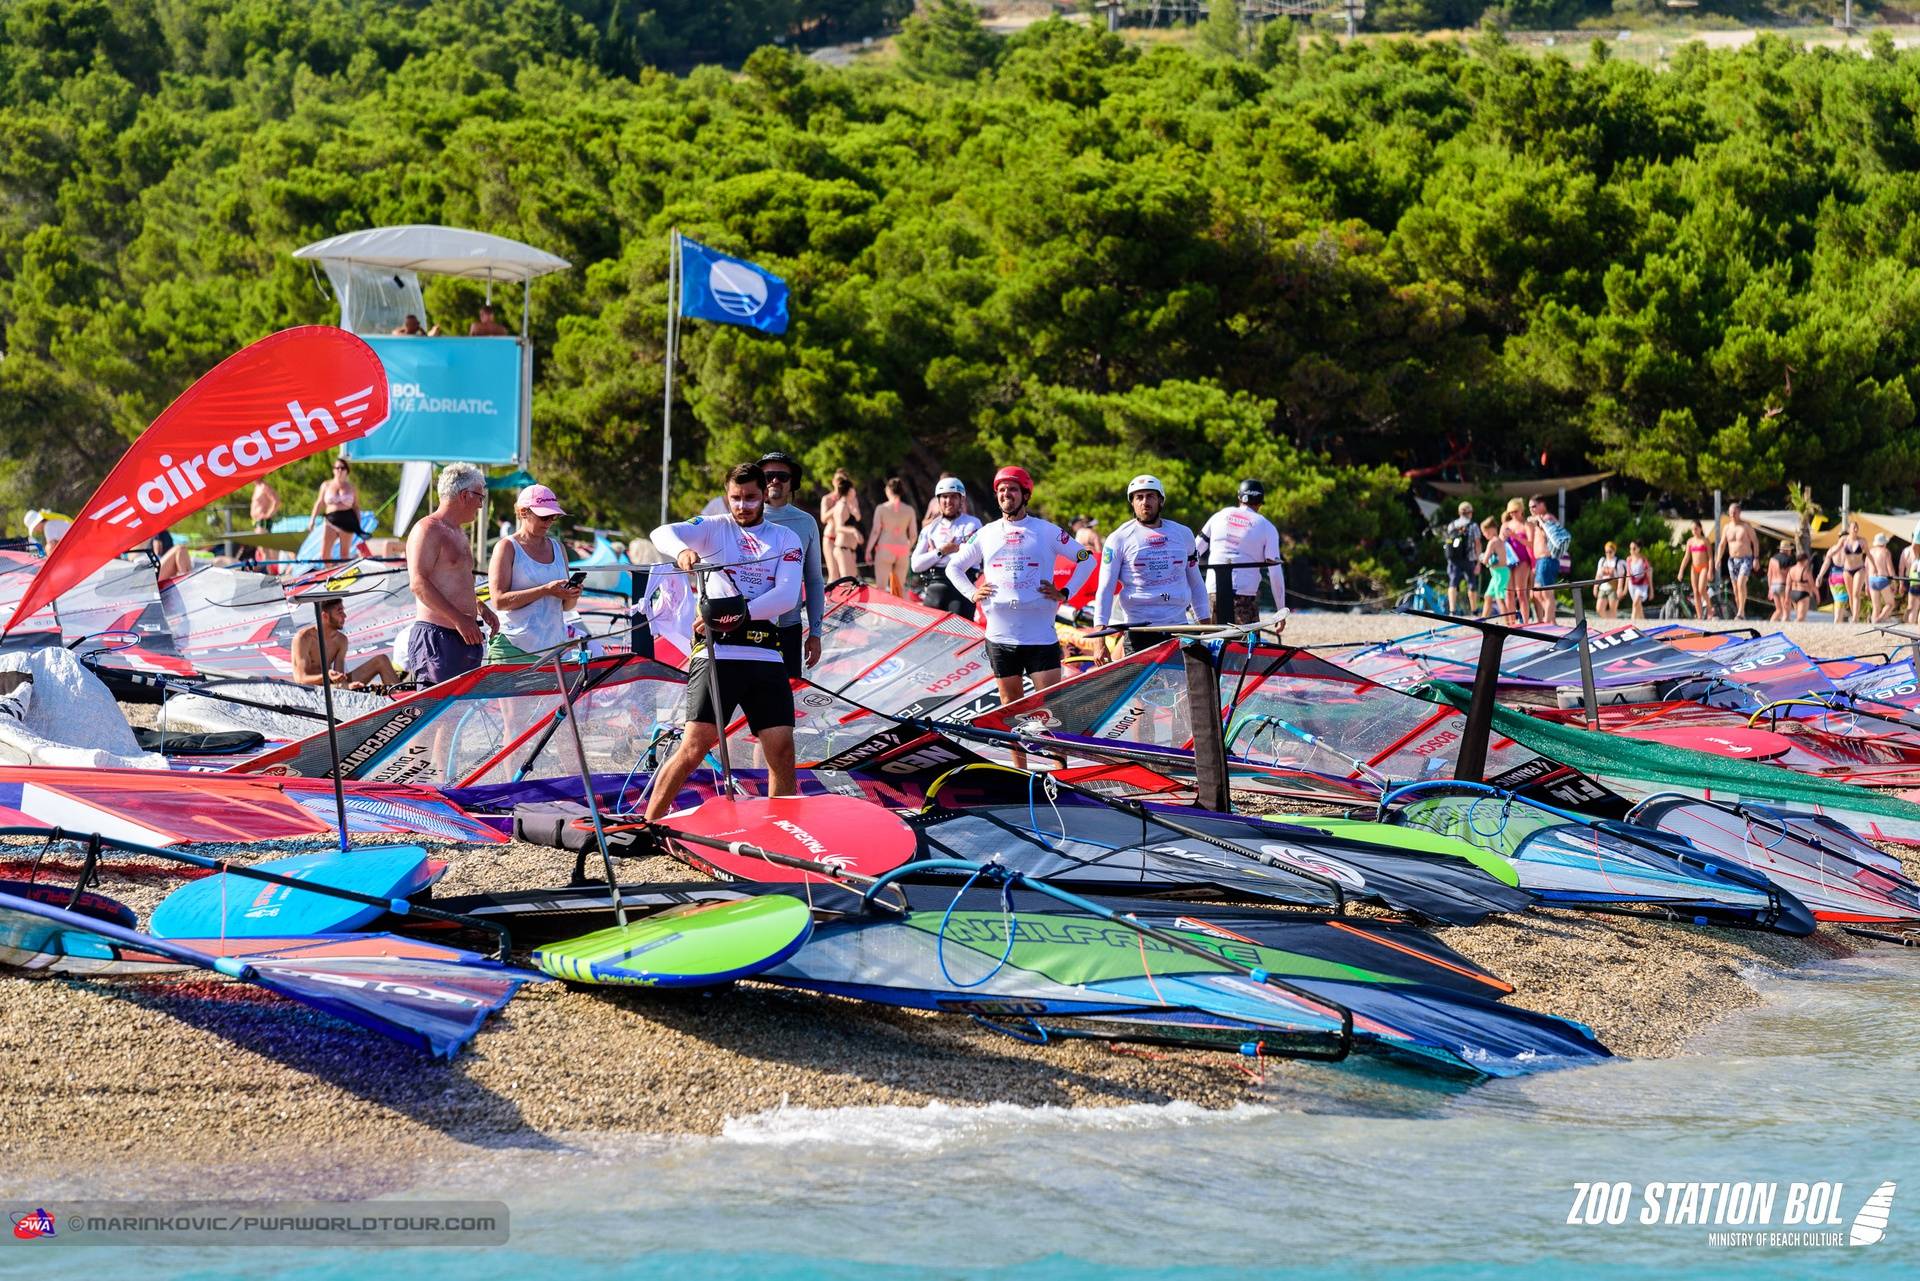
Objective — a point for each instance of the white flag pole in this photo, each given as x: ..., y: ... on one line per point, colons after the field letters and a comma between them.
x: 673, y: 351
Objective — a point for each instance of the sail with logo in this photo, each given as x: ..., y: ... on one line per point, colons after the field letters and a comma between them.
x: 292, y: 394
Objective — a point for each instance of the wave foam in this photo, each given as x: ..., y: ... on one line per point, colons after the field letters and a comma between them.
x: 935, y: 1125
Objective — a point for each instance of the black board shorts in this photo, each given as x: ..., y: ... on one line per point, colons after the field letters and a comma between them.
x: 758, y: 689
x: 1023, y: 660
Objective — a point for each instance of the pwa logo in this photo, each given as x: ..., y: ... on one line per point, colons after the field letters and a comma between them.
x: 33, y: 1225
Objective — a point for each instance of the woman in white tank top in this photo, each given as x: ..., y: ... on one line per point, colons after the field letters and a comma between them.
x: 528, y: 583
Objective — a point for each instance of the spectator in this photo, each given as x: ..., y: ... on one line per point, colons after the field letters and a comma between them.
x: 1800, y: 586
x: 1494, y: 555
x: 1462, y: 541
x: 339, y: 503
x: 446, y: 636
x: 1518, y: 536
x: 1609, y: 574
x: 1740, y: 546
x: 1880, y: 579
x: 1552, y: 557
x: 1696, y: 569
x: 895, y: 527
x: 411, y: 328
x: 308, y: 663
x: 1779, y: 565
x: 1639, y: 581
x: 486, y: 326
x: 1910, y: 576
x: 1088, y: 536
x: 841, y: 526
x: 528, y: 582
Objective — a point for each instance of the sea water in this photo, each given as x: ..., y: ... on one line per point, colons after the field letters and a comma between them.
x: 1330, y: 1172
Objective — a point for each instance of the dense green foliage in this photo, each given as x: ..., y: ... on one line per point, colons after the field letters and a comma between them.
x: 1318, y: 265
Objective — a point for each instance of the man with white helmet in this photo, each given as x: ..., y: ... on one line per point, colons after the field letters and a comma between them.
x: 1016, y: 596
x: 1240, y: 535
x: 945, y: 533
x: 1152, y: 565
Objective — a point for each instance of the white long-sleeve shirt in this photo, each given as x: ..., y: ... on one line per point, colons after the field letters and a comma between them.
x: 1017, y: 557
x: 763, y: 564
x: 1155, y: 571
x: 937, y: 533
x: 1236, y: 534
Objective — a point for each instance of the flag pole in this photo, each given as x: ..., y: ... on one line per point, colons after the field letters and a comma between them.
x: 673, y: 344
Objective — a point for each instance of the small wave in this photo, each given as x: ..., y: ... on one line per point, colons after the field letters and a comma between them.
x: 935, y: 1125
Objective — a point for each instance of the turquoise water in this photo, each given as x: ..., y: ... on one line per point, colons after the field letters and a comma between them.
x: 1329, y: 1173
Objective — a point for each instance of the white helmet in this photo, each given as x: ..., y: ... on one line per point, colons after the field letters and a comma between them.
x: 1139, y: 483
x: 950, y: 485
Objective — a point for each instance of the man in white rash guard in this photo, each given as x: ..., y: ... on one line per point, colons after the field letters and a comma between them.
x: 1240, y: 534
x: 946, y: 532
x: 1152, y: 566
x: 761, y: 567
x: 1016, y: 596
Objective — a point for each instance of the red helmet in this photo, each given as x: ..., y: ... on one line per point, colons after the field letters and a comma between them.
x: 1018, y: 475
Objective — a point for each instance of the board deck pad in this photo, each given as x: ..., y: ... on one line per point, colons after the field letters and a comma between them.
x: 229, y: 906
x: 845, y: 832
x: 693, y: 945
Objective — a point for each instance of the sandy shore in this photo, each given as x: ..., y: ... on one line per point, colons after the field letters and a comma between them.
x: 141, y: 1085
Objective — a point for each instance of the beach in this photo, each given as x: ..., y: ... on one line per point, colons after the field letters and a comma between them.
x: 135, y: 1086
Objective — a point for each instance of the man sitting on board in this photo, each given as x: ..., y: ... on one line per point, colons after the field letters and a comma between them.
x: 307, y: 662
x: 754, y: 574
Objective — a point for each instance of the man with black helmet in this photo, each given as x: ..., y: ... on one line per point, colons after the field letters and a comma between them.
x: 1241, y: 535
x: 946, y: 532
x: 755, y: 580
x: 783, y: 476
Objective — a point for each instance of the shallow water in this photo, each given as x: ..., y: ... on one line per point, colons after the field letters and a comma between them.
x: 1332, y: 1172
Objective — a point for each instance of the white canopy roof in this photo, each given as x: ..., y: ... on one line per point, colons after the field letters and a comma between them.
x: 436, y: 251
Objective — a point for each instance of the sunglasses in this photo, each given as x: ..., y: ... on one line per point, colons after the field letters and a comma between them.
x: 778, y: 477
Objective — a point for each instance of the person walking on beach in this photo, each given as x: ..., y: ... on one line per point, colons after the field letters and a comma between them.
x: 1152, y: 566
x: 338, y: 502
x: 1552, y: 547
x: 1853, y: 560
x: 1779, y: 565
x: 446, y: 636
x: 754, y: 577
x: 1015, y: 594
x: 1518, y: 536
x: 1739, y: 546
x: 798, y: 650
x: 1462, y: 541
x: 528, y: 582
x: 1800, y: 586
x: 841, y: 520
x: 1240, y: 535
x: 895, y: 527
x: 1910, y: 576
x: 946, y: 531
x: 1608, y: 575
x: 1493, y: 556
x: 1639, y: 581
x: 1880, y: 570
x: 1696, y: 569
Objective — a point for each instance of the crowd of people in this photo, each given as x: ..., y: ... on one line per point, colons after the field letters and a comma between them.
x: 1509, y: 568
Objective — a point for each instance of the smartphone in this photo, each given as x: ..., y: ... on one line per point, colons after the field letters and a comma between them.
x: 576, y: 578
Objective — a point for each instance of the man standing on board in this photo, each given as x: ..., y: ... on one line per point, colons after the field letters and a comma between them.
x: 1240, y: 535
x: 754, y: 580
x: 446, y: 636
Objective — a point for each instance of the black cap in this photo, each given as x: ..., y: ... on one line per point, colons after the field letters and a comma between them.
x: 1252, y: 490
x: 781, y: 456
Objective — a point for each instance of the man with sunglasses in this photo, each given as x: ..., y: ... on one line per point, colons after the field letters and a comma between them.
x: 783, y: 473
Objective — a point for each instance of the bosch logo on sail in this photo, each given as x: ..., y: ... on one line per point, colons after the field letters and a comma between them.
x: 179, y: 482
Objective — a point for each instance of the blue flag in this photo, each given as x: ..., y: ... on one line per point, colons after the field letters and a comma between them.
x: 733, y: 291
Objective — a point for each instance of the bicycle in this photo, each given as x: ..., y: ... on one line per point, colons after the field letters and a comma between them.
x: 1421, y: 594
x: 1678, y: 604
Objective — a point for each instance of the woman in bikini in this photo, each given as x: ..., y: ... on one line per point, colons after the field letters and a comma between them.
x: 1800, y: 584
x: 1518, y: 537
x: 895, y: 527
x: 840, y: 525
x: 1639, y: 581
x: 1910, y: 573
x: 338, y: 503
x: 1779, y: 565
x: 1853, y: 559
x: 1696, y: 568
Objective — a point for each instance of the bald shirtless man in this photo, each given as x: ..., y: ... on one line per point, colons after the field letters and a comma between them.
x: 447, y: 616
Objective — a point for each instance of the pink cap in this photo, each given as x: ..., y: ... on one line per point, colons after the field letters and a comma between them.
x: 540, y: 500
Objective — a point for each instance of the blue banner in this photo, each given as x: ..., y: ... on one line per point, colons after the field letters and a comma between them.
x: 733, y: 291
x: 453, y: 400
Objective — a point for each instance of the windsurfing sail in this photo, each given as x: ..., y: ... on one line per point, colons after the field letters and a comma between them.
x: 231, y: 622
x: 420, y: 994
x: 1623, y: 656
x: 16, y: 574
x: 1640, y: 769
x: 1751, y: 674
x: 901, y: 658
x: 1580, y: 864
x: 1831, y: 870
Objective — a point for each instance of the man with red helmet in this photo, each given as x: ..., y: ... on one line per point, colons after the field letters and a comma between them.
x: 1015, y: 594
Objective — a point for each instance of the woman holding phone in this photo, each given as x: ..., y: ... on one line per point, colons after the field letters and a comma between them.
x: 528, y: 583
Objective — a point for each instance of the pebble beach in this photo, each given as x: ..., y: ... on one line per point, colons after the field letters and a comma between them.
x: 131, y: 1087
